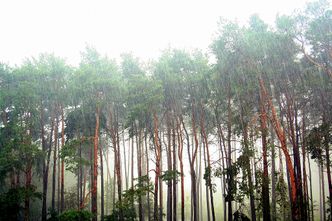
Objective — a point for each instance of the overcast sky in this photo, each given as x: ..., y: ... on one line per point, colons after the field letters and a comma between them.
x: 143, y: 27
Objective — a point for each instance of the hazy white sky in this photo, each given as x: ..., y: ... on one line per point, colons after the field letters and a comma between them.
x: 143, y: 27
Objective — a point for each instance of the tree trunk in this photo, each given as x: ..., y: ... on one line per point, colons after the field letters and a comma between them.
x: 45, y: 172
x: 273, y: 178
x: 326, y: 142
x: 147, y: 173
x: 175, y: 178
x: 323, y: 191
x: 206, y: 145
x: 157, y: 169
x: 206, y: 184
x: 54, y: 163
x: 180, y: 154
x: 169, y: 168
x: 265, y: 181
x: 102, y: 194
x: 192, y: 163
x: 282, y: 138
x: 62, y: 162
x: 305, y: 184
x: 95, y: 166
x: 229, y: 173
x: 139, y: 170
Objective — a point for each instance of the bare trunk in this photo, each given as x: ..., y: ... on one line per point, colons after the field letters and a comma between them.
x: 265, y: 181
x: 102, y: 213
x: 95, y: 167
x: 45, y: 173
x: 180, y: 154
x: 54, y: 163
x: 169, y: 168
x: 157, y: 169
x: 175, y: 178
x: 62, y: 162
x: 206, y: 145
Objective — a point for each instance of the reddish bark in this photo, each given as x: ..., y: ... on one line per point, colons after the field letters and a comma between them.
x: 282, y: 139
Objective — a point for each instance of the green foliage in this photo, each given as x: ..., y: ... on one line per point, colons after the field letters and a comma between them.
x: 11, y: 201
x: 129, y: 197
x: 318, y: 139
x: 75, y: 215
x: 69, y: 154
x: 170, y: 175
x: 208, y: 178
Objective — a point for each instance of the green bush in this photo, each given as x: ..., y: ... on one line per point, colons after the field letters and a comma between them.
x: 75, y: 215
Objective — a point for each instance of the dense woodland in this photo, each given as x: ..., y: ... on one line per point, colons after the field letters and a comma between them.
x: 242, y: 132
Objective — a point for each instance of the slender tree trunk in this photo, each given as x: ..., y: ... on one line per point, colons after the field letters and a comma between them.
x: 323, y: 191
x: 157, y: 169
x: 139, y: 170
x: 175, y: 178
x: 169, y: 168
x: 206, y: 185
x: 265, y: 181
x: 192, y: 164
x: 180, y: 154
x: 147, y: 173
x: 46, y: 171
x: 222, y: 143
x: 54, y: 163
x: 282, y: 138
x: 326, y: 144
x: 161, y: 200
x: 249, y: 174
x: 273, y: 178
x: 102, y: 207
x: 320, y: 193
x: 206, y: 145
x: 125, y: 158
x: 95, y: 167
x: 62, y: 162
x: 59, y: 179
x: 311, y: 208
x: 45, y: 175
x: 229, y: 173
x: 305, y: 184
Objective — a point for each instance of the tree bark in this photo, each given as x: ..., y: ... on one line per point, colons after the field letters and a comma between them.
x: 157, y: 169
x: 46, y: 170
x: 282, y: 138
x: 102, y: 207
x: 265, y: 181
x: 206, y: 145
x: 54, y: 163
x: 95, y: 166
x: 62, y: 162
x: 180, y: 154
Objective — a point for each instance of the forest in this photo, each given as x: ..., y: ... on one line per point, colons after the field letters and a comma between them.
x: 240, y: 132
